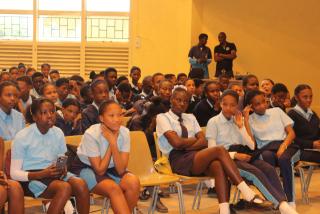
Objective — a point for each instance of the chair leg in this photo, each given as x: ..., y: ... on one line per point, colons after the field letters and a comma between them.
x: 180, y: 197
x: 196, y: 196
x: 154, y: 199
x: 303, y: 185
x: 105, y: 205
x: 200, y: 194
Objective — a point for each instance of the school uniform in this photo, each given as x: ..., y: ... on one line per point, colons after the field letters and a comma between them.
x: 307, y: 129
x: 141, y: 96
x: 11, y: 124
x: 67, y: 127
x: 112, y: 94
x: 34, y: 93
x: 135, y: 89
x: 37, y: 151
x: 28, y: 102
x: 204, y: 110
x: 269, y: 132
x: 94, y: 144
x: 180, y: 160
x: 192, y: 103
x: 90, y: 116
x: 223, y: 132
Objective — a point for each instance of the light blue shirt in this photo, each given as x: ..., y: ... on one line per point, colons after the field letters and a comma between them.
x: 226, y: 133
x: 94, y: 144
x: 10, y: 124
x: 270, y: 126
x: 37, y: 150
x: 169, y: 122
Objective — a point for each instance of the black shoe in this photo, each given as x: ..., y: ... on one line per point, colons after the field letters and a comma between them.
x: 163, y: 194
x: 232, y: 209
x: 212, y: 192
x: 160, y: 207
x: 144, y: 195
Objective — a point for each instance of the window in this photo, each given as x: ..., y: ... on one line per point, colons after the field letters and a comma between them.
x: 16, y: 4
x: 108, y: 28
x: 64, y: 5
x: 15, y: 27
x: 108, y: 5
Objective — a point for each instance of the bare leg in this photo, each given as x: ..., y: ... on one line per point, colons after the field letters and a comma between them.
x: 130, y: 185
x: 3, y: 196
x: 81, y: 192
x: 59, y: 192
x: 110, y: 189
x: 15, y: 197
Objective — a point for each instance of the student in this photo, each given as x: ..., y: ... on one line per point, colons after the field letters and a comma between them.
x: 37, y: 83
x: 172, y: 78
x: 34, y: 150
x: 189, y: 84
x: 86, y: 96
x: 22, y: 69
x: 224, y: 82
x: 45, y: 69
x: 146, y: 89
x: 266, y: 87
x: 30, y: 71
x: 273, y: 133
x: 237, y: 88
x: 11, y: 121
x: 279, y: 94
x: 122, y: 79
x: 306, y: 124
x: 165, y: 92
x: 49, y: 91
x: 110, y: 75
x: 25, y: 85
x: 180, y: 139
x: 229, y: 130
x: 249, y: 83
x: 62, y: 85
x: 198, y: 92
x: 135, y: 74
x: 209, y: 106
x: 181, y: 78
x: 103, y: 157
x: 14, y: 73
x: 5, y: 76
x: 90, y: 115
x: 76, y: 82
x: 54, y: 75
x: 124, y: 95
x: 156, y: 79
x: 69, y: 117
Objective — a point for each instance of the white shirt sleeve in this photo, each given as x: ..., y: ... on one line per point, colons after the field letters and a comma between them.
x: 246, y: 139
x: 163, y: 125
x: 16, y: 171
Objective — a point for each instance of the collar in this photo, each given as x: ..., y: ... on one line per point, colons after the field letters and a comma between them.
x: 134, y: 86
x: 154, y: 93
x: 307, y: 114
x: 144, y: 94
x: 59, y: 112
x: 173, y: 115
x: 210, y: 104
x: 95, y: 105
x: 4, y: 115
x: 223, y: 119
x: 37, y: 131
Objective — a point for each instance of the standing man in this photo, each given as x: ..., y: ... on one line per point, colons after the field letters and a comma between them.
x: 224, y: 54
x: 200, y: 57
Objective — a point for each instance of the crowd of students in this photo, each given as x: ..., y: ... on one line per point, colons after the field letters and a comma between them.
x: 248, y: 134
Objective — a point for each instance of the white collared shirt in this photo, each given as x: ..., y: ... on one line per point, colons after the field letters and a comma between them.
x: 169, y: 122
x: 307, y: 115
x: 95, y: 105
x: 27, y: 103
x: 270, y: 126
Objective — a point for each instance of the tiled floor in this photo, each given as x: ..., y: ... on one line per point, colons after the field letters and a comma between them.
x: 210, y: 205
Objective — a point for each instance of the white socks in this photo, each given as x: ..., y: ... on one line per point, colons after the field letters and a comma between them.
x: 224, y: 208
x: 285, y: 208
x: 248, y: 193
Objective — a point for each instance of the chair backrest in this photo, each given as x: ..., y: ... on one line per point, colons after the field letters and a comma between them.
x: 140, y: 161
x: 204, y: 129
x: 155, y: 136
x: 125, y: 121
x: 73, y: 140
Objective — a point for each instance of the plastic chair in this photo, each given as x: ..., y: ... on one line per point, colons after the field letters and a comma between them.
x: 141, y: 164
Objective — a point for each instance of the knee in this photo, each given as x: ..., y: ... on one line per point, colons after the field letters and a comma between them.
x: 267, y: 154
x: 130, y: 182
x: 221, y: 151
x: 79, y: 186
x: 3, y: 195
x: 15, y: 188
x: 64, y: 188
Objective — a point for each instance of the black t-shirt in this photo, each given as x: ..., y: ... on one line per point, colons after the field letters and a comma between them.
x: 225, y: 64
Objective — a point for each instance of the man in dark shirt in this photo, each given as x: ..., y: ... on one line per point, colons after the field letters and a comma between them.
x: 224, y: 54
x: 200, y: 57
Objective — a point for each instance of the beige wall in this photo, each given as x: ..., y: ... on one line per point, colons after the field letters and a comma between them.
x: 162, y: 29
x: 275, y: 39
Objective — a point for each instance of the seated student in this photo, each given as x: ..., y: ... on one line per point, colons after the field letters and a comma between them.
x: 124, y: 96
x: 103, y: 156
x: 146, y: 89
x: 49, y: 91
x: 156, y: 79
x: 135, y: 74
x: 181, y: 139
x: 10, y: 191
x: 165, y: 92
x: 306, y: 124
x: 266, y: 87
x: 279, y: 94
x: 209, y: 106
x: 54, y: 75
x: 224, y: 82
x: 62, y: 85
x: 90, y: 115
x: 11, y: 121
x: 25, y: 85
x: 249, y: 83
x: 30, y: 71
x: 228, y: 130
x: 5, y: 76
x: 172, y: 78
x: 237, y: 88
x: 76, y: 82
x: 34, y: 150
x: 45, y: 69
x: 273, y: 132
x: 198, y: 92
x: 193, y: 100
x: 22, y: 69
x: 14, y: 73
x: 110, y: 76
x: 122, y: 79
x: 86, y: 96
x: 37, y: 83
x: 69, y: 117
x: 181, y: 78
